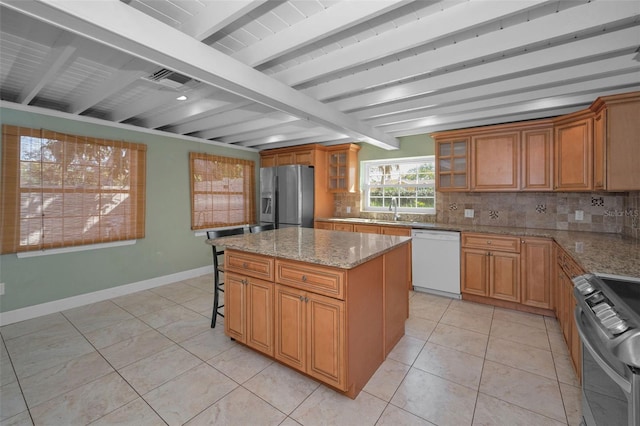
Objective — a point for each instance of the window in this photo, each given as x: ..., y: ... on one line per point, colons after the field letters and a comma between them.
x: 62, y: 190
x: 222, y: 191
x: 410, y: 180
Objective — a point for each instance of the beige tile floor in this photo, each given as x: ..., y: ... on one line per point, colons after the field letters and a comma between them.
x: 151, y: 359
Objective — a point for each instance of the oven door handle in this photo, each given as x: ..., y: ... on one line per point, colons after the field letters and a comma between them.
x: 620, y: 381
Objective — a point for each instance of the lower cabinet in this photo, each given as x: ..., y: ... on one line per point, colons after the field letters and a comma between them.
x: 249, y: 311
x: 512, y: 272
x: 310, y: 334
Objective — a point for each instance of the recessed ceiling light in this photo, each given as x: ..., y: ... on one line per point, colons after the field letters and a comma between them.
x: 181, y: 98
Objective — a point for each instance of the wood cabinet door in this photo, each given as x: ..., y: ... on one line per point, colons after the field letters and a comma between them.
x: 260, y: 315
x: 504, y: 276
x: 599, y: 150
x: 323, y: 225
x: 234, y: 306
x: 326, y: 345
x: 367, y: 229
x: 343, y: 227
x: 290, y: 327
x: 536, y: 266
x: 566, y: 301
x: 474, y: 272
x: 622, y: 146
x: 452, y: 165
x: 495, y: 159
x: 573, y: 159
x: 537, y: 160
x: 396, y: 230
x: 268, y: 160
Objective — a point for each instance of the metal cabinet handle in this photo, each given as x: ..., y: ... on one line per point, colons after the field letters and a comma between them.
x: 489, y: 242
x: 245, y: 265
x: 306, y: 299
x: 301, y: 298
x: 304, y: 278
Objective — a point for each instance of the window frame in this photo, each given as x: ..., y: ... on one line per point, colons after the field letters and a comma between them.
x: 64, y: 227
x: 368, y: 165
x: 248, y: 192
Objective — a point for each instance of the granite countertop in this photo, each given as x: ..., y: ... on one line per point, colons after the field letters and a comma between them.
x: 344, y: 250
x: 595, y: 252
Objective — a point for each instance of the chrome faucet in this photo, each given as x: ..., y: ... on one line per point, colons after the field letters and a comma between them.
x: 394, y: 207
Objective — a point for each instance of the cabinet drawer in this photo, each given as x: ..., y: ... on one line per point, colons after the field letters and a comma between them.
x: 491, y: 241
x: 568, y: 265
x: 316, y: 279
x: 253, y: 265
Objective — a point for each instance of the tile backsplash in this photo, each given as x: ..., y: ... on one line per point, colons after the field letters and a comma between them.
x: 575, y: 211
x: 601, y: 211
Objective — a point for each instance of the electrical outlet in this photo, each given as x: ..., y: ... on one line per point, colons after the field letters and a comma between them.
x: 1, y: 289
x: 348, y: 209
x: 468, y: 212
x: 579, y: 215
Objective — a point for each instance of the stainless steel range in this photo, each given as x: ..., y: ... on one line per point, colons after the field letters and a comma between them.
x: 608, y: 320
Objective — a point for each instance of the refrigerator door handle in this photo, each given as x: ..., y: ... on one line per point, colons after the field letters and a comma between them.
x: 276, y: 203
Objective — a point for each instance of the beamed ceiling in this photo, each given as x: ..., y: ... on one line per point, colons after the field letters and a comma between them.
x: 265, y: 74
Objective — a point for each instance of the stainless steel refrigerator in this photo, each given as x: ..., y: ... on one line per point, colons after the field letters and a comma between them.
x: 286, y: 196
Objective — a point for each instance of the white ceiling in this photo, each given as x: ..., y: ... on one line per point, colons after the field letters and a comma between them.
x: 265, y: 74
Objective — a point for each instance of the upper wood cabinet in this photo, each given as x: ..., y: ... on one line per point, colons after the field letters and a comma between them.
x: 304, y: 154
x: 342, y: 168
x: 495, y: 158
x: 452, y: 164
x: 616, y: 142
x: 573, y: 156
x: 536, y: 172
x: 509, y: 157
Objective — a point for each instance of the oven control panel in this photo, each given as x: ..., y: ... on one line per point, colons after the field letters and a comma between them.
x: 605, y: 312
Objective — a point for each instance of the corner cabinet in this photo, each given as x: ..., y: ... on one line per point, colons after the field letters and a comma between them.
x: 452, y: 163
x: 342, y: 168
x: 536, y: 265
x: 573, y: 157
x: 616, y: 142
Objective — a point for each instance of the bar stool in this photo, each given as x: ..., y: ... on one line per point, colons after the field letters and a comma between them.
x: 259, y: 228
x: 218, y: 268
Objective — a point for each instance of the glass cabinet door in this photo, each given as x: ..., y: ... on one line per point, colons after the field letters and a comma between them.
x: 452, y: 163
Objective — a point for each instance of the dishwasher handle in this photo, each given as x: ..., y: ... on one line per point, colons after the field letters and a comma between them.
x: 435, y: 235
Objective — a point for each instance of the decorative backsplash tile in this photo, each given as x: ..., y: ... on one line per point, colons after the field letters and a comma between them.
x: 601, y: 212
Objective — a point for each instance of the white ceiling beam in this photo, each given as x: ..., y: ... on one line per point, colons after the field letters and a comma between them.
x: 216, y: 16
x: 449, y: 21
x: 293, y: 138
x: 297, y: 126
x: 553, y: 57
x: 61, y: 54
x: 523, y: 89
x: 129, y: 30
x: 561, y: 24
x: 264, y: 121
x: 235, y: 113
x: 327, y: 139
x: 332, y: 20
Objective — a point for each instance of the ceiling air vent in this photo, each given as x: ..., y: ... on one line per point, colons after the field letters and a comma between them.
x: 168, y: 78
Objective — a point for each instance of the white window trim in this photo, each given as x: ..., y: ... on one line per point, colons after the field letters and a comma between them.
x: 364, y: 167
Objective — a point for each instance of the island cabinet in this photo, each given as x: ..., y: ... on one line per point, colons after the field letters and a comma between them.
x: 508, y: 271
x: 616, y: 140
x: 333, y: 313
x: 249, y: 300
x: 573, y: 155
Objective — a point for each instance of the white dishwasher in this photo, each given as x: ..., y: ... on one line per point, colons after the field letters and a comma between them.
x: 435, y: 256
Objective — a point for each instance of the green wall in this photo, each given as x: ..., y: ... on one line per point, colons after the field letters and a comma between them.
x: 168, y: 247
x: 410, y: 146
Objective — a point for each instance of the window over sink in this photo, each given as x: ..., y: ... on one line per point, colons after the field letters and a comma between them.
x: 409, y: 181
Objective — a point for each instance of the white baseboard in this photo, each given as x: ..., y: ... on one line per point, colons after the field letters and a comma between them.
x: 47, y: 308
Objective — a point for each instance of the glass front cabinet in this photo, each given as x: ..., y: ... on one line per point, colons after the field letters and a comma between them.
x: 452, y: 164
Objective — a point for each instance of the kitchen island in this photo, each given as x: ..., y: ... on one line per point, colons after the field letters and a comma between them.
x: 330, y: 304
